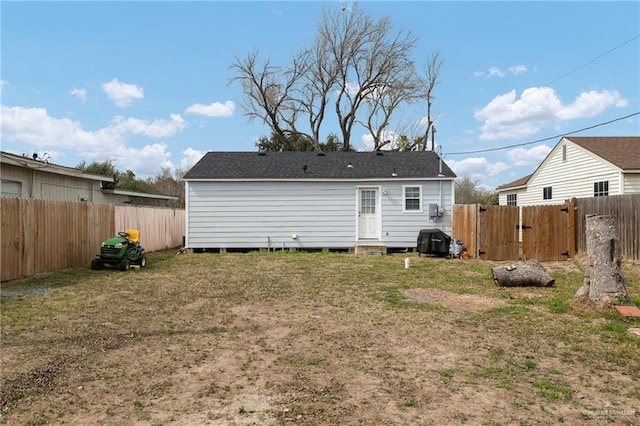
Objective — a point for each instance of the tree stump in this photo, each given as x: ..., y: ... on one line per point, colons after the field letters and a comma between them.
x: 523, y: 274
x: 603, y: 283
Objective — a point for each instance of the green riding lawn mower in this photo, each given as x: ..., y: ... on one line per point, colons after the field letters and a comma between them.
x: 121, y: 251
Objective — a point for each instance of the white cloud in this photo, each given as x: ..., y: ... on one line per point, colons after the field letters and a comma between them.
x: 191, y: 157
x: 158, y: 128
x: 495, y: 72
x: 215, y: 109
x: 476, y: 168
x: 506, y: 116
x: 367, y: 143
x: 2, y: 84
x: 498, y: 72
x: 122, y: 94
x: 80, y: 94
x: 146, y: 161
x: 528, y: 157
x: 35, y: 127
x: 590, y: 104
x: 518, y: 69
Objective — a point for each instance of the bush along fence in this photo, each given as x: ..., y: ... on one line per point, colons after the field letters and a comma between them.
x: 543, y: 233
x: 40, y: 236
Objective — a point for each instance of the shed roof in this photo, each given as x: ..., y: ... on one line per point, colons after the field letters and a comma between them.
x: 314, y: 165
x: 44, y: 166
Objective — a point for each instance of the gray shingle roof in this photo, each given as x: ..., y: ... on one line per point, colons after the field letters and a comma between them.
x: 313, y: 165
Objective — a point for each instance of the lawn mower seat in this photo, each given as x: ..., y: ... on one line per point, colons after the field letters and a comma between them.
x: 134, y: 236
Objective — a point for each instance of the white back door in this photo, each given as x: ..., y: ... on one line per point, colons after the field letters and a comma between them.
x: 368, y: 214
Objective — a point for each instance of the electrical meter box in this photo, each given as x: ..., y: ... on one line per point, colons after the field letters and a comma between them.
x: 433, y: 210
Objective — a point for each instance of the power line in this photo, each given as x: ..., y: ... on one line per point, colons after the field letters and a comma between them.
x: 548, y: 85
x: 543, y: 139
x: 589, y: 62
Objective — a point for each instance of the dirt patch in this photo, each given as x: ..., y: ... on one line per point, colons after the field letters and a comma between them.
x: 453, y: 301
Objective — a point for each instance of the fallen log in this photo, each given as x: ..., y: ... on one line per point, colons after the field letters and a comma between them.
x: 522, y: 274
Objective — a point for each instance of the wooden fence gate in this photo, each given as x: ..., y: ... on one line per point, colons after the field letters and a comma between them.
x: 547, y: 232
x: 498, y: 233
x: 541, y: 233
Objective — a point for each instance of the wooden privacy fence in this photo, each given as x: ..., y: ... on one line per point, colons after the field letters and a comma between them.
x: 44, y: 236
x: 160, y: 228
x: 550, y: 232
x: 626, y: 208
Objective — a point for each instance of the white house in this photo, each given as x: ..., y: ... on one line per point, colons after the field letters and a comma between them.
x: 579, y: 167
x: 309, y: 200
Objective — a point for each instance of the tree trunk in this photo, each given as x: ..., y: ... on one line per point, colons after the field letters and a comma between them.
x: 603, y: 283
x: 523, y: 274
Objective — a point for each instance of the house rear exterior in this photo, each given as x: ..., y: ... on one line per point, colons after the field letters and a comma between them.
x: 579, y: 167
x: 308, y: 200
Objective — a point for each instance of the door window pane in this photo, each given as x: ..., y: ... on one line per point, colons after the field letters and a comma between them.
x: 368, y: 201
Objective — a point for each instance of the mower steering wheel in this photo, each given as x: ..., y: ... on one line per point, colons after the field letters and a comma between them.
x: 123, y: 234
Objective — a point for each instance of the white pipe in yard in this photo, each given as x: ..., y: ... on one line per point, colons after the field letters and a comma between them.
x: 407, y: 263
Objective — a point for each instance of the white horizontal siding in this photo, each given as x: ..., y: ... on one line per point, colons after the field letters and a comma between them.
x: 320, y: 214
x: 520, y: 195
x: 571, y: 178
x: 631, y: 183
x: 400, y: 229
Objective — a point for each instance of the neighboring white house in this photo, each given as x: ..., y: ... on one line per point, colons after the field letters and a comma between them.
x: 31, y: 177
x: 309, y: 200
x: 579, y: 167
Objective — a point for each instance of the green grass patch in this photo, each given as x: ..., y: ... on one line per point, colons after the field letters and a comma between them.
x: 553, y: 391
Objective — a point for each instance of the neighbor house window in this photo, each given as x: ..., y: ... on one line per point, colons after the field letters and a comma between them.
x: 512, y: 199
x: 11, y: 188
x: 412, y: 198
x: 601, y: 189
x: 546, y: 193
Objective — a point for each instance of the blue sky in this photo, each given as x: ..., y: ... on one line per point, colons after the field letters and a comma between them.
x: 147, y: 83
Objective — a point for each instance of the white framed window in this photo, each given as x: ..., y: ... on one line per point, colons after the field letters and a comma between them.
x: 412, y: 198
x: 512, y: 199
x: 601, y: 189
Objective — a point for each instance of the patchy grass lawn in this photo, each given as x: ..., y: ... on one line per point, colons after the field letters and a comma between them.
x: 322, y: 338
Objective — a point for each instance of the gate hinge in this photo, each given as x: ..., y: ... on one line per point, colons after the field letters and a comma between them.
x: 480, y: 252
x: 565, y: 209
x: 482, y: 209
x: 566, y: 253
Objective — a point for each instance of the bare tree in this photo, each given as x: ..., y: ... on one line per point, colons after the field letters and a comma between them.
x: 430, y: 80
x: 267, y: 89
x: 357, y: 63
x: 373, y: 64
